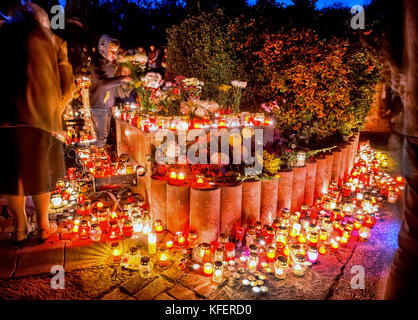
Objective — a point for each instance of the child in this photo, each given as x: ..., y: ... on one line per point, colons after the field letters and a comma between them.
x: 104, y: 83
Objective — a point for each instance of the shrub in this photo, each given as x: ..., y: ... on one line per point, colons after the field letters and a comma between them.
x: 203, y: 47
x: 309, y: 81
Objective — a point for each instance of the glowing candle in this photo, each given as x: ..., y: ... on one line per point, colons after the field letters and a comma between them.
x: 334, y: 245
x: 158, y: 226
x: 152, y: 243
x: 253, y: 261
x: 207, y: 269
x: 83, y: 231
x: 299, y: 265
x: 322, y: 249
x: 218, y: 273
x: 312, y: 254
x: 173, y: 175
x: 364, y: 233
x: 180, y: 239
x: 181, y: 176
x: 271, y: 253
x: 302, y: 238
x: 169, y: 244
x: 163, y: 257
x: 116, y: 251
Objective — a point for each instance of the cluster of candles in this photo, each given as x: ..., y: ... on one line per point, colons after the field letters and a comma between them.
x: 98, y: 162
x: 291, y: 244
x: 150, y: 123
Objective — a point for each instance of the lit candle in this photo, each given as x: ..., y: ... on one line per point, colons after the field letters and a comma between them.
x: 334, y: 245
x: 207, y: 269
x: 312, y: 254
x: 169, y: 244
x: 364, y: 233
x: 218, y: 273
x: 180, y: 239
x: 163, y: 257
x: 116, y: 251
x: 152, y: 243
x: 299, y: 265
x: 173, y: 175
x: 181, y: 176
x: 158, y: 226
x: 253, y: 261
x: 322, y: 249
x: 271, y: 253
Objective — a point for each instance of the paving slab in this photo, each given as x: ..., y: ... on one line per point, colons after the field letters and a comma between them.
x: 81, y: 254
x: 204, y: 286
x: 135, y: 284
x: 38, y: 259
x: 153, y: 289
x: 117, y: 295
x: 174, y: 272
x: 8, y: 260
x: 164, y: 296
x: 181, y: 293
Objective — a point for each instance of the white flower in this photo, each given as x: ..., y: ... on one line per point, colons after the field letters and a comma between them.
x: 239, y: 84
x: 152, y: 80
x: 211, y: 106
x: 201, y: 112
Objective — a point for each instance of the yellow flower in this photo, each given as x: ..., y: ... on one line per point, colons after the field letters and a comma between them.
x: 138, y: 84
x: 224, y: 87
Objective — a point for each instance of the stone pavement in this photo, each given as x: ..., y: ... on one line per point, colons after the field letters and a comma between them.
x: 90, y: 275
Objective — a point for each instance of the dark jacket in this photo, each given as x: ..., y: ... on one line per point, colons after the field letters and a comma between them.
x: 104, y: 81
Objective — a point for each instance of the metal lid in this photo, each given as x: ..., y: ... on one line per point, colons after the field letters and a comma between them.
x: 218, y: 264
x: 253, y: 255
x: 145, y: 260
x: 299, y: 258
x: 133, y: 250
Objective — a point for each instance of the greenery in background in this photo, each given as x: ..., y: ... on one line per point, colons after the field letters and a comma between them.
x: 204, y: 47
x: 308, y: 80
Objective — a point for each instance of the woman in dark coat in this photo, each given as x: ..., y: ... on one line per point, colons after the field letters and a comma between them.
x: 39, y: 84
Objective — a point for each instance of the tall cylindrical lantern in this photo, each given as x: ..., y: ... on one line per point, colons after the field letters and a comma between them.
x: 329, y: 158
x: 335, y: 176
x: 251, y: 201
x: 298, y: 190
x: 231, y: 206
x: 310, y: 182
x: 320, y: 176
x: 205, y: 212
x: 285, y: 188
x: 342, y: 163
x: 158, y: 201
x: 178, y: 206
x: 268, y: 208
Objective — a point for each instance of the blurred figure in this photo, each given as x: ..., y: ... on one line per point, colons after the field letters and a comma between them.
x: 104, y: 83
x: 153, y: 56
x: 39, y: 85
x: 140, y: 50
x: 125, y: 93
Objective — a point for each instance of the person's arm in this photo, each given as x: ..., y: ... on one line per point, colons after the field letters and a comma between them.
x: 66, y: 73
x: 99, y: 74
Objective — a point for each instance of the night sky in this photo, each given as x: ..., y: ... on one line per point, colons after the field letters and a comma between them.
x: 320, y: 3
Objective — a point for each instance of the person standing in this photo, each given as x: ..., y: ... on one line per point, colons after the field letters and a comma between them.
x: 39, y: 85
x: 104, y: 83
x: 153, y: 56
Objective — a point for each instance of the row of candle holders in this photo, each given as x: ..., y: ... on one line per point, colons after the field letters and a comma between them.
x: 150, y: 123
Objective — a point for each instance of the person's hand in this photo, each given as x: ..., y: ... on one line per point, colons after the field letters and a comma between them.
x: 127, y: 79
